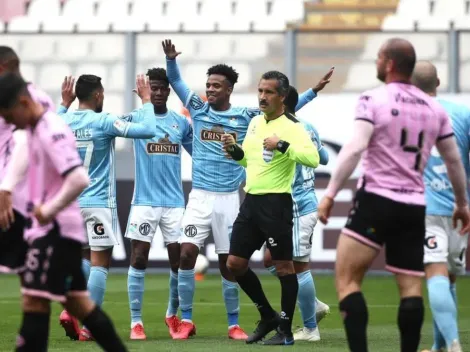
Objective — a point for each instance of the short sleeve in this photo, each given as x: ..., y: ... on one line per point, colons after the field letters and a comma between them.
x: 365, y: 109
x: 445, y: 126
x: 59, y: 144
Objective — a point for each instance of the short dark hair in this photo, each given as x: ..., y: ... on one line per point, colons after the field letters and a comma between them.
x: 11, y: 87
x: 403, y: 55
x: 86, y: 86
x: 158, y: 74
x: 291, y: 100
x: 282, y: 80
x: 9, y: 57
x: 224, y: 70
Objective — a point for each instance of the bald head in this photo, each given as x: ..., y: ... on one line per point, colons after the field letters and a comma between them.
x: 403, y: 55
x: 425, y: 77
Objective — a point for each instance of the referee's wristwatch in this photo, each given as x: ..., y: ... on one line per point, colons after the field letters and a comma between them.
x: 282, y: 146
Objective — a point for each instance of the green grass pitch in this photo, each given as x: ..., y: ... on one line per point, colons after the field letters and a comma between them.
x: 210, y: 317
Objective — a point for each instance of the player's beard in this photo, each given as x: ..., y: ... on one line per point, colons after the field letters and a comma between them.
x: 381, y: 74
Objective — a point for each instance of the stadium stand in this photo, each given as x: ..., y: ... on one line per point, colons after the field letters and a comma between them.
x: 244, y: 33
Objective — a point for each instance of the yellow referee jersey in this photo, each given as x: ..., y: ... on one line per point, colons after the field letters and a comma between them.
x: 273, y: 171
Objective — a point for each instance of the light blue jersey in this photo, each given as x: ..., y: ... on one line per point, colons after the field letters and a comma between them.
x: 212, y: 171
x: 303, y: 188
x: 95, y: 134
x: 158, y: 161
x: 438, y: 189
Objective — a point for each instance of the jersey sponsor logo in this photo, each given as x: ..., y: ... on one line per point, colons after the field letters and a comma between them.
x: 163, y: 146
x: 144, y: 229
x: 431, y: 242
x: 83, y: 133
x: 215, y: 134
x: 120, y: 125
x: 409, y: 100
x: 190, y: 231
x: 98, y: 229
x: 58, y: 137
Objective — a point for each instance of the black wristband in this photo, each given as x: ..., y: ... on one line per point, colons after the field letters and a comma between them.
x: 282, y: 146
x: 236, y: 152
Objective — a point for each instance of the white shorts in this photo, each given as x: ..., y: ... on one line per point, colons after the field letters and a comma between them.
x: 144, y: 221
x: 444, y: 244
x: 209, y: 212
x: 302, y: 236
x: 102, y: 227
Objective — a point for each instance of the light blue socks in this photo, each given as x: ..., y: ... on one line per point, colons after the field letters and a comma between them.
x: 86, y: 265
x: 97, y: 284
x: 135, y: 290
x: 173, y: 302
x: 232, y: 302
x: 444, y: 310
x: 306, y: 299
x: 186, y: 284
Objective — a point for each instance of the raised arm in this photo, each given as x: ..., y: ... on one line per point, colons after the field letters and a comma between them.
x: 188, y: 136
x: 68, y: 95
x: 128, y: 127
x: 310, y: 94
x: 173, y: 73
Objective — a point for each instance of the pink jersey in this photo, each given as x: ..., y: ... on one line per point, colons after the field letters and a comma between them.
x: 407, y: 123
x: 52, y: 154
x: 7, y: 145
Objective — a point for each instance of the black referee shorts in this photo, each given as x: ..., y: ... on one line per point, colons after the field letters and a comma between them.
x: 263, y: 218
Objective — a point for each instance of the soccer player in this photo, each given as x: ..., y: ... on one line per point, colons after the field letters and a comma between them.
x: 444, y: 247
x: 395, y: 126
x: 95, y: 132
x: 55, y: 230
x: 13, y: 189
x: 274, y: 143
x: 158, y: 200
x: 305, y: 218
x: 214, y: 200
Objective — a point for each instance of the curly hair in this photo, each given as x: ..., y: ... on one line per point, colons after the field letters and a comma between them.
x: 224, y: 70
x: 158, y: 74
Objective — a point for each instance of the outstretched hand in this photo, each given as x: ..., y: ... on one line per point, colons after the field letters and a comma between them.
x: 169, y: 49
x: 68, y: 91
x: 324, y: 81
x: 142, y: 88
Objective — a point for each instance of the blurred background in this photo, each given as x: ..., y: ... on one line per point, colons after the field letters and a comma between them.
x: 116, y: 39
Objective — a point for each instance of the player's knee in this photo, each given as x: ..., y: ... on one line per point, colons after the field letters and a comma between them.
x: 284, y: 268
x: 139, y: 260
x: 35, y: 304
x: 237, y: 266
x: 188, y: 256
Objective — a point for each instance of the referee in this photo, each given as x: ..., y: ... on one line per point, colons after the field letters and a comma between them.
x: 274, y: 143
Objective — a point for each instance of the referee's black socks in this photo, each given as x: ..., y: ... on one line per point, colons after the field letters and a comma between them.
x: 251, y: 285
x: 410, y: 321
x: 289, y: 290
x: 355, y: 317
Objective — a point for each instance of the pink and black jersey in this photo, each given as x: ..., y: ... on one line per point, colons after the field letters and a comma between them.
x: 52, y: 154
x: 7, y: 145
x: 407, y: 123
